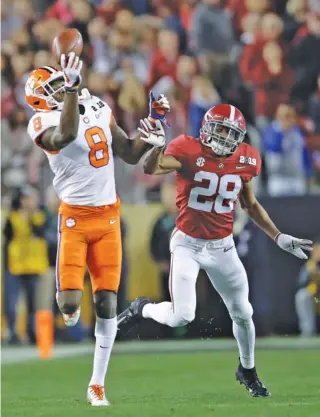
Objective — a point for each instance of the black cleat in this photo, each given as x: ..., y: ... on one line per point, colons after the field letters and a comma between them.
x: 134, y: 311
x: 249, y: 378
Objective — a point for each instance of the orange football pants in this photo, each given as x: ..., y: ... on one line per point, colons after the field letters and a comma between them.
x: 89, y: 236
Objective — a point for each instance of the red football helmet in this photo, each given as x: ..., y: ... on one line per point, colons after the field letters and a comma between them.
x: 223, y: 129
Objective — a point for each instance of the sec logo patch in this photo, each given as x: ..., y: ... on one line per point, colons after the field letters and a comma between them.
x: 200, y: 161
x: 70, y: 222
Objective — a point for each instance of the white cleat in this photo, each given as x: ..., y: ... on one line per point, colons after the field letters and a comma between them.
x: 96, y: 396
x: 71, y: 320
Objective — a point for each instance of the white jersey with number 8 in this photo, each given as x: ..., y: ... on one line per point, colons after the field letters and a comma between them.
x: 83, y: 170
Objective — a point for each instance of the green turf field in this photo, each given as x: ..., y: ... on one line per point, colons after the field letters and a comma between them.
x: 161, y: 385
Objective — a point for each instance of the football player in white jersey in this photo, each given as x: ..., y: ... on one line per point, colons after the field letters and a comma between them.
x: 79, y: 136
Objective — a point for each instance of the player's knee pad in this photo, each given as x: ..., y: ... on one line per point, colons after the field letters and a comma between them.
x: 105, y: 304
x: 68, y: 307
x: 69, y: 301
x: 241, y: 312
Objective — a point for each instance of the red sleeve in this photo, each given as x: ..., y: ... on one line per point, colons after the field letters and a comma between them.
x: 253, y: 164
x: 258, y: 166
x: 176, y: 147
x: 255, y: 170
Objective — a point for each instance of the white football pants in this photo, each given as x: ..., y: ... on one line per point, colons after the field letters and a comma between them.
x: 220, y: 260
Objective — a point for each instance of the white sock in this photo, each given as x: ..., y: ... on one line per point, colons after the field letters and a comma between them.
x: 105, y: 333
x: 162, y: 313
x: 158, y: 312
x: 245, y: 334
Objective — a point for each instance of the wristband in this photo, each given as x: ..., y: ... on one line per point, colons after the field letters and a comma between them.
x: 277, y: 237
x: 74, y: 87
x: 151, y: 120
x: 71, y: 90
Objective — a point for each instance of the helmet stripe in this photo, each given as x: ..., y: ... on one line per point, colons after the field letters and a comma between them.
x: 50, y: 69
x: 232, y: 113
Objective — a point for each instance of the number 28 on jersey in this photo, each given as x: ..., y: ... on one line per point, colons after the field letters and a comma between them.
x: 226, y: 189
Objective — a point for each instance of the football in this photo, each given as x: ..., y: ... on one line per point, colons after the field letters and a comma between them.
x: 69, y: 40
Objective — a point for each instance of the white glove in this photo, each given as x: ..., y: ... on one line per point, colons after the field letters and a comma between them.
x: 71, y: 68
x: 293, y: 245
x: 152, y: 134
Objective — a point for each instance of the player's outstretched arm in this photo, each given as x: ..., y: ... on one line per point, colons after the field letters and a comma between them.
x: 129, y: 150
x: 156, y: 163
x: 258, y: 214
x: 56, y: 138
x: 254, y: 209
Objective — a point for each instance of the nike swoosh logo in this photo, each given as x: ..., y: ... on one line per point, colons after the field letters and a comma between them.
x: 240, y: 167
x: 112, y: 221
x: 227, y: 249
x: 104, y: 347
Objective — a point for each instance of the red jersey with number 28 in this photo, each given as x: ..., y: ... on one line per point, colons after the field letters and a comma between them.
x: 208, y: 187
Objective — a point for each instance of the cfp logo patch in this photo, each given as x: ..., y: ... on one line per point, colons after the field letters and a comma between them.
x: 200, y: 161
x: 247, y: 160
x: 70, y: 222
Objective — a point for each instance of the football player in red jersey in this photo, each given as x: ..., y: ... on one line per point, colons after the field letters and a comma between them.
x: 212, y: 173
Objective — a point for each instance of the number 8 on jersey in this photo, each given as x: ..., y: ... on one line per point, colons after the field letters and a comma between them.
x: 97, y: 141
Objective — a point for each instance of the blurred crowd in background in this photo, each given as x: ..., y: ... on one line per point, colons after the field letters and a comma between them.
x: 259, y: 55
